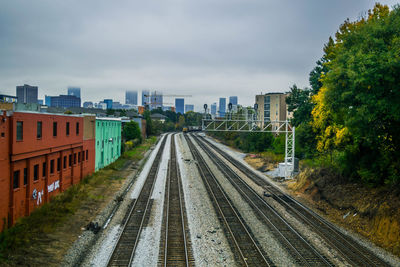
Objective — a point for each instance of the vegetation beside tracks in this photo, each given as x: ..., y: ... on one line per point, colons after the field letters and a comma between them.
x: 18, y: 244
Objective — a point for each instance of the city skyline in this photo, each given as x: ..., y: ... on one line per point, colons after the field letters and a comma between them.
x: 212, y: 49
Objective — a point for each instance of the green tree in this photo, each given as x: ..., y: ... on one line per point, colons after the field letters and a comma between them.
x: 131, y: 131
x: 357, y: 110
x: 149, y: 123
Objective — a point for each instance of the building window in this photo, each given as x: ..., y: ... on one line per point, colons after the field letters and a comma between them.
x: 67, y: 128
x: 74, y: 158
x: 44, y: 169
x: 52, y: 166
x: 2, y: 134
x: 65, y: 162
x: 58, y: 164
x: 70, y: 160
x: 79, y: 157
x: 36, y: 172
x: 16, y: 180
x: 39, y: 130
x: 54, y: 128
x: 20, y: 130
x: 25, y: 176
x: 87, y: 154
x: 83, y: 155
x: 77, y: 128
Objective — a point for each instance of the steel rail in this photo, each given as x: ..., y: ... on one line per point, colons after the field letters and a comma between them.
x: 354, y: 253
x: 124, y: 249
x: 176, y: 247
x: 303, y: 252
x: 243, y: 242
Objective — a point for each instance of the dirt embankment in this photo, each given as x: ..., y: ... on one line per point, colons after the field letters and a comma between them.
x: 372, y: 212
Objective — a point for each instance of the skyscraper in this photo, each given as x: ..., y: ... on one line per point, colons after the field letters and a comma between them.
x: 233, y: 100
x: 131, y: 97
x: 189, y: 107
x: 214, y: 109
x: 76, y: 91
x: 145, y: 97
x: 222, y: 106
x: 27, y: 94
x: 180, y: 105
x: 109, y: 103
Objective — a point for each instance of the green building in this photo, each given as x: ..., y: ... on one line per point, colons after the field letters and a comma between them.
x: 108, y: 141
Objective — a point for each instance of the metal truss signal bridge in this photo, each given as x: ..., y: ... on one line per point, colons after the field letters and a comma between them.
x: 229, y: 124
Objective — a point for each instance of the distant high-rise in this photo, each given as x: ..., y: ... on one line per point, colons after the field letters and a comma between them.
x: 109, y: 103
x: 189, y: 107
x: 47, y: 100
x: 76, y: 91
x: 233, y: 100
x: 222, y: 106
x: 180, y: 105
x: 27, y: 94
x: 131, y: 97
x: 214, y: 109
x: 65, y: 101
x: 145, y: 97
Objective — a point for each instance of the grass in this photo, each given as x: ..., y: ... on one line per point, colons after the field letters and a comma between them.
x: 45, y: 219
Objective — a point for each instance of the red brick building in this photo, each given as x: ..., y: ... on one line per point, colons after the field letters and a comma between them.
x: 41, y: 155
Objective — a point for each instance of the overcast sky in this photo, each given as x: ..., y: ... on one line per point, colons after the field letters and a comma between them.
x: 205, y: 48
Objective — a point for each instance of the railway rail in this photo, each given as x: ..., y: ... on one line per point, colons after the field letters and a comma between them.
x: 175, y: 248
x: 303, y: 253
x: 124, y: 250
x: 238, y: 234
x: 352, y: 251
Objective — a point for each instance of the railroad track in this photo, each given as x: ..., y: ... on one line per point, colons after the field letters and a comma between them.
x: 302, y: 252
x: 175, y: 247
x: 124, y: 250
x: 240, y: 238
x: 352, y: 251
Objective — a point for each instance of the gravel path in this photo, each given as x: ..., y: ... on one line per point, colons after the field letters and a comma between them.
x: 210, y: 246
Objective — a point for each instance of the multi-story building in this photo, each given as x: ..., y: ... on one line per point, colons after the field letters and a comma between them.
x: 108, y: 141
x: 214, y: 109
x: 189, y: 107
x: 222, y: 107
x: 27, y: 94
x: 41, y: 155
x: 145, y: 97
x: 8, y: 99
x: 76, y: 91
x: 180, y: 105
x: 109, y: 103
x: 47, y: 100
x: 271, y: 107
x: 233, y: 100
x: 131, y: 97
x: 65, y: 101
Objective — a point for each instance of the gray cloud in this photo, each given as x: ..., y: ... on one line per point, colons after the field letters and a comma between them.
x: 204, y: 48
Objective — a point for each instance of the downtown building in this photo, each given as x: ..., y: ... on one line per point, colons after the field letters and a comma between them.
x: 131, y: 98
x: 27, y: 94
x: 222, y: 107
x: 65, y: 101
x: 75, y: 91
x: 180, y: 105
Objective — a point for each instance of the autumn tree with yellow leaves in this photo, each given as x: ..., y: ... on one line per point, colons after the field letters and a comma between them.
x: 356, y: 112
